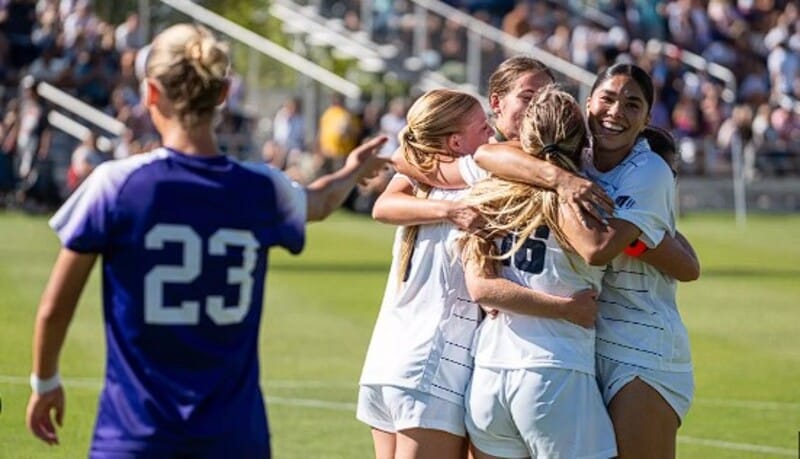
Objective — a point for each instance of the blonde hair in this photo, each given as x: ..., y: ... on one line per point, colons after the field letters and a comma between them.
x: 553, y: 130
x: 431, y: 120
x: 192, y: 67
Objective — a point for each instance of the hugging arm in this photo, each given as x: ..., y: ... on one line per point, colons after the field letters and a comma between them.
x: 675, y: 257
x: 599, y: 243
x: 494, y: 292
x: 507, y: 160
x: 446, y: 175
x: 397, y: 205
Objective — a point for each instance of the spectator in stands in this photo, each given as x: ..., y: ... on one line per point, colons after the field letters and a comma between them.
x: 8, y: 126
x: 84, y: 160
x: 289, y: 129
x: 128, y: 35
x: 392, y: 122
x: 338, y: 133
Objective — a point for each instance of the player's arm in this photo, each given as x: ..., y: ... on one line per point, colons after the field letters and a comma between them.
x: 595, y: 241
x: 328, y: 192
x: 397, y: 205
x: 446, y: 175
x: 494, y: 292
x: 675, y: 257
x: 598, y: 243
x: 56, y: 308
x: 508, y: 161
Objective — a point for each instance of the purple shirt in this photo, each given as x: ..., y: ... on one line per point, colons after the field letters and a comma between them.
x: 184, y: 244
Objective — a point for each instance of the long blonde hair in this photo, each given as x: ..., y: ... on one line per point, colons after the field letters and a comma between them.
x: 553, y: 130
x: 431, y: 120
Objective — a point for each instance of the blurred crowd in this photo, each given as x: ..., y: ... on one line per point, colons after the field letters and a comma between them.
x: 758, y: 40
x: 65, y: 44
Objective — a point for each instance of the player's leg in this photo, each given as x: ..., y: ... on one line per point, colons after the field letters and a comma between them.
x: 419, y: 443
x: 373, y: 411
x: 651, y: 435
x: 384, y: 443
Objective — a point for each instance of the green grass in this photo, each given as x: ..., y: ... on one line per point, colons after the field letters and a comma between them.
x: 742, y: 315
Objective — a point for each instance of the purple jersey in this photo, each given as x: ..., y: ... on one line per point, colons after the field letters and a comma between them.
x: 184, y: 244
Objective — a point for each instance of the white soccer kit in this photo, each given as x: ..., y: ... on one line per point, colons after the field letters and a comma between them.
x: 533, y: 373
x: 423, y: 336
x: 639, y: 329
x: 639, y: 323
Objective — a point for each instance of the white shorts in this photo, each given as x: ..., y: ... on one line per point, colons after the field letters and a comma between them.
x: 392, y: 409
x: 538, y: 412
x: 677, y: 387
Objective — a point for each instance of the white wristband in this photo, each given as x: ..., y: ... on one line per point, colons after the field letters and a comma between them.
x: 41, y: 386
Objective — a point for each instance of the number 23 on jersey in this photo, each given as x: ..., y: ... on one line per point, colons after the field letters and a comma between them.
x: 192, y: 249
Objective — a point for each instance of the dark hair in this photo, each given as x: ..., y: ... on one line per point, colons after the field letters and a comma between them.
x: 663, y: 143
x: 635, y: 72
x: 502, y: 79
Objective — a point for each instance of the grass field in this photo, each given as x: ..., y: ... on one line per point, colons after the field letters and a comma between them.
x: 743, y: 317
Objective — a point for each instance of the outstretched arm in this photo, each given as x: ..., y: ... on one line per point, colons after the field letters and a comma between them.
x: 494, y: 292
x: 328, y: 192
x: 56, y: 309
x: 508, y: 161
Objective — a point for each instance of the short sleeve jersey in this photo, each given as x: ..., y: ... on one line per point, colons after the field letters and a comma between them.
x: 184, y: 242
x: 426, y: 324
x: 639, y: 323
x: 514, y: 340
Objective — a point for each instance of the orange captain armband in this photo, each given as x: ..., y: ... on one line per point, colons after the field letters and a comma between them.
x: 635, y: 249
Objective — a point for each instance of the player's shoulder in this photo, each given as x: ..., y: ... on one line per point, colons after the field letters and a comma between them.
x: 644, y: 158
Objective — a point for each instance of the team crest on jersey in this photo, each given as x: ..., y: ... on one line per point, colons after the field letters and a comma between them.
x: 624, y: 202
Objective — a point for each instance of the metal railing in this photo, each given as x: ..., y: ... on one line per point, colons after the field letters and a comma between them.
x: 266, y: 47
x: 478, y: 30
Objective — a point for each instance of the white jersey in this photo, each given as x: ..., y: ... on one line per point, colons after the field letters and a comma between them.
x: 423, y: 336
x: 514, y: 341
x: 470, y: 171
x: 639, y: 323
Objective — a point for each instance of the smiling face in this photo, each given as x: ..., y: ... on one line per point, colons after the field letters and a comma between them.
x: 509, y: 108
x: 617, y: 112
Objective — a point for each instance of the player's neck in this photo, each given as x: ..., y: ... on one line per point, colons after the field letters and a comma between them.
x: 198, y: 141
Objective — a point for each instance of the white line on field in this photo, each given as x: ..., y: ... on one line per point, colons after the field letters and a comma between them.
x: 737, y: 446
x: 95, y: 383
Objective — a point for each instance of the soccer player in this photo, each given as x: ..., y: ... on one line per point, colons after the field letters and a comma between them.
x: 183, y: 232
x: 418, y: 362
x: 643, y: 359
x: 511, y: 87
x: 534, y: 372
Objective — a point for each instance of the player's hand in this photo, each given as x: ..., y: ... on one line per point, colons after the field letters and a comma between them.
x: 466, y: 218
x: 581, y: 308
x: 42, y: 410
x: 585, y: 197
x: 365, y: 160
